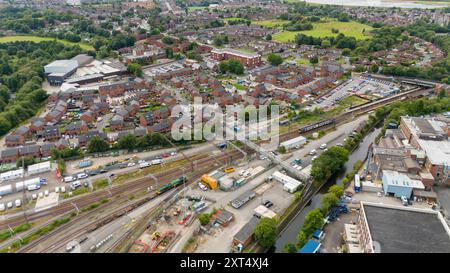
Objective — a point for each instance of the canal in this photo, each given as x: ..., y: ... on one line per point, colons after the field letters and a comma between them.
x: 289, y: 234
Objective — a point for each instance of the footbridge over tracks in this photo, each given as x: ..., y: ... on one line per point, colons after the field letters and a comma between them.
x: 275, y: 159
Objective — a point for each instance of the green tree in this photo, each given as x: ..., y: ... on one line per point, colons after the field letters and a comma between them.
x: 329, y: 200
x: 266, y: 232
x: 336, y: 190
x: 97, y: 145
x: 274, y: 59
x: 27, y: 161
x: 128, y: 142
x: 204, y: 219
x: 135, y: 69
x: 290, y: 248
x: 282, y: 149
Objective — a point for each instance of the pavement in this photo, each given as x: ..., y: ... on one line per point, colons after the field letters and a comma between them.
x: 444, y: 199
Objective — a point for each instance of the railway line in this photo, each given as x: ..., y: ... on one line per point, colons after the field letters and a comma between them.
x: 98, y: 195
x: 70, y: 230
x: 62, y: 235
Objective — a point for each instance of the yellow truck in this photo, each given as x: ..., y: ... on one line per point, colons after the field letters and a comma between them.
x: 209, y: 181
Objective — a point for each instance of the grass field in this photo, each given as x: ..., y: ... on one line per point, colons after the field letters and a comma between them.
x: 271, y: 23
x: 353, y: 29
x: 37, y: 39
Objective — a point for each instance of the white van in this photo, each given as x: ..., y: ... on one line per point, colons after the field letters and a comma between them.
x: 144, y: 165
x: 18, y: 202
x: 75, y: 185
x: 157, y: 161
x: 69, y: 178
x: 33, y: 187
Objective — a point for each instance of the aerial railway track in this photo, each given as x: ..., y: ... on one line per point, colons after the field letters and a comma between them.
x: 58, y: 238
x: 75, y: 228
x: 96, y: 196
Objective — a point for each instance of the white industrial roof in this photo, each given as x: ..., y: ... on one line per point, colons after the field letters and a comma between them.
x: 401, y: 180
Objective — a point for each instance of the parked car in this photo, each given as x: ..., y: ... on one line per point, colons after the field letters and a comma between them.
x: 9, y: 205
x: 2, y: 207
x: 33, y: 187
x: 313, y: 152
x: 18, y: 202
x: 63, y: 189
x: 323, y: 146
x: 144, y: 165
x: 69, y: 178
x: 57, y: 190
x: 202, y: 187
x: 75, y: 185
x: 268, y: 203
x: 34, y: 196
x: 41, y: 194
x: 314, y: 158
x: 82, y: 175
x: 131, y: 164
x: 46, y: 193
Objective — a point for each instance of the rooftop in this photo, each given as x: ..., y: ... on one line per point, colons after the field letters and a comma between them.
x: 406, y: 230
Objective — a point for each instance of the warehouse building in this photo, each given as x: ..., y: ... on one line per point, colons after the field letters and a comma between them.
x: 58, y: 71
x: 399, y: 184
x: 396, y: 229
x: 293, y: 143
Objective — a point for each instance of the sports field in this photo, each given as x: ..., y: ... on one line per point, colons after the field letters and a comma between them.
x: 352, y: 28
x: 37, y: 39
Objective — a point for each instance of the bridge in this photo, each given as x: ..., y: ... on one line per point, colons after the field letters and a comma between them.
x: 275, y: 159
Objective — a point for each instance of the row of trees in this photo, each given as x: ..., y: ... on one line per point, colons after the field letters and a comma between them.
x: 127, y: 142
